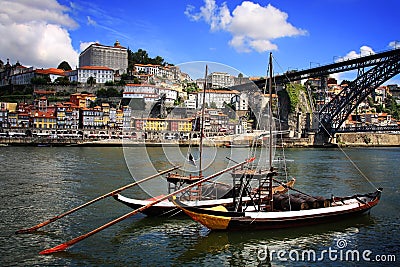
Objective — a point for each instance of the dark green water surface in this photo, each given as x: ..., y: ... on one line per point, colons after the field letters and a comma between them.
x: 37, y: 183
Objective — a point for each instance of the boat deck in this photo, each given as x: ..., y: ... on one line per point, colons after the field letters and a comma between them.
x: 254, y: 173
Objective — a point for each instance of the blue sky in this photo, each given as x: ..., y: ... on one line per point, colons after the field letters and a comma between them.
x: 239, y: 34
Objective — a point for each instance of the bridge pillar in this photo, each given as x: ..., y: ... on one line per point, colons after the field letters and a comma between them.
x: 298, y: 125
x: 322, y: 139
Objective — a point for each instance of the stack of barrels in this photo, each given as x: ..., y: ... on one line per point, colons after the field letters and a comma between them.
x: 286, y: 202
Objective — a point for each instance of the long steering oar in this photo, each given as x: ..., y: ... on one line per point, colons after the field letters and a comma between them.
x: 29, y: 230
x: 67, y: 244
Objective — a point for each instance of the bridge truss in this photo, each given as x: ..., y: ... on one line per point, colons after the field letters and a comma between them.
x: 334, y: 113
x: 382, y: 67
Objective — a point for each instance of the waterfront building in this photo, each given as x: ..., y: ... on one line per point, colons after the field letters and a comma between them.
x: 4, y: 118
x: 23, y: 75
x: 190, y: 103
x: 114, y: 57
x: 170, y: 95
x: 72, y: 118
x: 112, y: 124
x: 126, y: 119
x: 23, y: 119
x: 119, y: 119
x: 240, y: 103
x: 91, y: 118
x: 13, y: 119
x: 105, y: 107
x: 218, y: 97
x: 100, y: 74
x: 155, y: 124
x: 166, y: 72
x: 61, y: 116
x: 82, y: 100
x: 8, y: 106
x: 52, y: 73
x: 180, y: 125
x: 44, y: 120
x: 162, y: 125
x: 220, y: 80
x: 150, y: 93
x: 380, y: 95
x: 67, y: 116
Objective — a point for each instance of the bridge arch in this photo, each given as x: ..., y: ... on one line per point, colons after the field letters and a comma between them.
x: 335, y: 113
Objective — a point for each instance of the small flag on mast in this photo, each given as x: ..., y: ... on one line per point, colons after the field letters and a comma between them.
x: 191, y: 159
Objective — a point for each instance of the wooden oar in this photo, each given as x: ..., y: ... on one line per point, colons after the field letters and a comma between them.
x: 67, y: 244
x: 29, y: 230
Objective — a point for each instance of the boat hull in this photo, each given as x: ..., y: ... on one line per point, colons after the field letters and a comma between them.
x: 239, y: 221
x: 167, y: 208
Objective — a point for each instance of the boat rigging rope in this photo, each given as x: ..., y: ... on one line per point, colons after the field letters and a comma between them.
x: 282, y: 146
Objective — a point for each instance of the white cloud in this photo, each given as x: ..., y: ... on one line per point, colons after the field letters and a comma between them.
x: 394, y: 44
x: 36, y: 33
x: 364, y: 51
x: 91, y: 21
x: 253, y: 27
x: 84, y: 45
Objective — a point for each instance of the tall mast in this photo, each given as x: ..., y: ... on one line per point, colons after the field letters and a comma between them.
x: 270, y: 109
x: 270, y: 133
x: 202, y: 123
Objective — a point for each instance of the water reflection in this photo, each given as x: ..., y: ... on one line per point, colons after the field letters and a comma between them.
x: 242, y: 248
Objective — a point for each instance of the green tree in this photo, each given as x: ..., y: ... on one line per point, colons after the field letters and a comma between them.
x: 64, y: 66
x: 101, y: 93
x: 157, y: 61
x: 112, y: 92
x: 91, y: 80
x: 62, y: 81
x: 40, y: 80
x: 293, y: 91
x: 140, y: 57
x: 191, y: 87
x: 121, y: 82
x: 136, y: 80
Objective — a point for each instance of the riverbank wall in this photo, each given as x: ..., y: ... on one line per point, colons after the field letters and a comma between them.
x: 340, y: 139
x: 367, y: 139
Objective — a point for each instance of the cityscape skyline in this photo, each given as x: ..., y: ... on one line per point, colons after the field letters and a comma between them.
x: 301, y: 35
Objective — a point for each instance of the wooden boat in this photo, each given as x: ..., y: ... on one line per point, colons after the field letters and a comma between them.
x: 338, y: 208
x: 271, y: 211
x: 215, y: 194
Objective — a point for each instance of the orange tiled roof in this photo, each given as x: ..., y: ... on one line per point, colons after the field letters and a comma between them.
x: 51, y: 71
x: 44, y: 114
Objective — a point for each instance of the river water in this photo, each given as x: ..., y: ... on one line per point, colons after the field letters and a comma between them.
x: 37, y: 183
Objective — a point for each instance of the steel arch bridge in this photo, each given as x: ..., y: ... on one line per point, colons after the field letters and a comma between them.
x: 373, y: 71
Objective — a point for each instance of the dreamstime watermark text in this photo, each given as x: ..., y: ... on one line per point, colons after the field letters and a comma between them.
x: 338, y: 253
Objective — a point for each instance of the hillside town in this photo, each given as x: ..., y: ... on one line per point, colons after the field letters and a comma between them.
x: 154, y: 102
